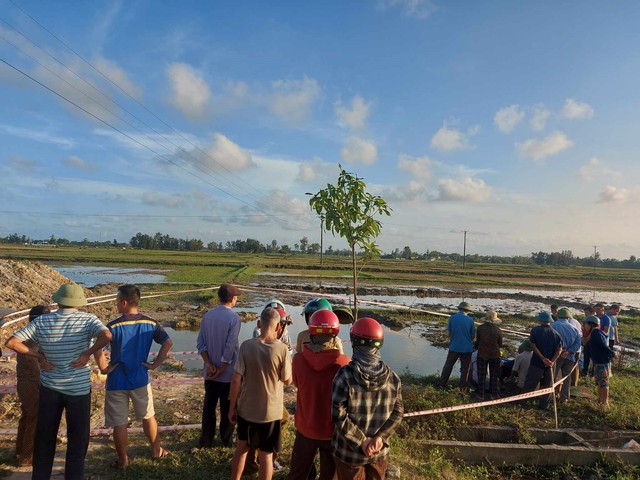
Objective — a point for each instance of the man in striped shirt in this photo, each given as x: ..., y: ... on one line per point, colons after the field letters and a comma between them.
x: 63, y: 349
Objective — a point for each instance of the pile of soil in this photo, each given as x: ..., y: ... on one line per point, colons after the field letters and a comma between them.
x: 25, y: 284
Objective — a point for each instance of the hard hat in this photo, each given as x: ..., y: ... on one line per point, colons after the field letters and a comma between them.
x: 564, y: 313
x: 368, y: 332
x: 324, y: 322
x: 312, y: 306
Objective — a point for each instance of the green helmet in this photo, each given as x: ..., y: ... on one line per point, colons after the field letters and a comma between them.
x: 593, y: 320
x: 312, y: 306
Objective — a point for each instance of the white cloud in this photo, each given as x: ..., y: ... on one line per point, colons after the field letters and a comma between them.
x: 540, y: 149
x: 419, y: 167
x: 595, y: 169
x: 278, y: 201
x: 356, y: 117
x: 507, y: 118
x: 158, y: 200
x: 411, y: 8
x: 449, y: 139
x: 576, y: 111
x: 614, y: 195
x: 118, y: 76
x: 359, y: 150
x: 220, y: 156
x: 539, y: 117
x: 311, y: 171
x: 465, y: 189
x: 80, y: 164
x: 38, y: 135
x: 190, y: 92
x: 293, y: 99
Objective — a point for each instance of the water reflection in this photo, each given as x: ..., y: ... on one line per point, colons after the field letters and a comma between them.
x: 90, y: 276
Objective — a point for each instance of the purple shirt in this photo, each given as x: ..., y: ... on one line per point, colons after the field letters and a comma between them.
x: 218, y: 337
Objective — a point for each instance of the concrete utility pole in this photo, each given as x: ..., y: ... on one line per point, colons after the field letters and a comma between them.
x: 321, y: 238
x: 595, y: 256
x: 464, y: 249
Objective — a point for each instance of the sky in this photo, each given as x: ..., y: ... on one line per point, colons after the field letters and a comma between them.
x: 517, y: 122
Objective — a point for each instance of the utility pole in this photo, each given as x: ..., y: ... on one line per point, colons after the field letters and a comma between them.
x: 321, y: 238
x: 595, y: 256
x: 464, y: 249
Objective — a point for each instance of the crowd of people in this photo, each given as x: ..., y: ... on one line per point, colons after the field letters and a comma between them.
x: 560, y: 347
x: 346, y: 409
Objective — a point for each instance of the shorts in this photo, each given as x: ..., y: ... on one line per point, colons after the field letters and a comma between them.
x: 601, y: 372
x: 266, y: 437
x: 116, y: 405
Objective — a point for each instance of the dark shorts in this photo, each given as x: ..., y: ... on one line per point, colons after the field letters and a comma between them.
x: 263, y: 436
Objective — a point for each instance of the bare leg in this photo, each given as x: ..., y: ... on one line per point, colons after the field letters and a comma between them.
x: 120, y: 438
x: 266, y: 465
x: 150, y: 427
x: 239, y: 457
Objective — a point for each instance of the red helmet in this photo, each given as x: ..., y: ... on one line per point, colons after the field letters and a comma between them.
x: 324, y: 322
x: 368, y: 332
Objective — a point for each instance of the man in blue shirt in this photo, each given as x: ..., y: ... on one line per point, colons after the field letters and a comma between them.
x: 218, y: 345
x: 547, y: 346
x: 128, y: 372
x: 461, y: 332
x: 571, y: 342
x: 605, y: 320
x: 613, y: 312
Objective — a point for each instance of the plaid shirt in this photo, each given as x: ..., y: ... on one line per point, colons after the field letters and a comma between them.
x: 360, y: 412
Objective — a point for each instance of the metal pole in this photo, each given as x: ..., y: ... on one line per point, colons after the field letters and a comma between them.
x: 464, y: 250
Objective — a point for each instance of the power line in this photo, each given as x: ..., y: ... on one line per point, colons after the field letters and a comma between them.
x: 99, y: 72
x: 142, y: 215
x: 132, y: 138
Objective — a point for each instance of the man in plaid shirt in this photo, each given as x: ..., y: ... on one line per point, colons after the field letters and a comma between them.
x: 366, y: 407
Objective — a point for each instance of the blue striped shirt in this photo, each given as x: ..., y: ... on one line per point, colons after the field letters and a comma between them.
x: 62, y: 336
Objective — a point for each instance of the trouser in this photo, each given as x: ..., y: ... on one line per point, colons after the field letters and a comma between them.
x: 452, y: 358
x: 587, y: 359
x: 563, y: 369
x: 77, y: 414
x: 494, y: 373
x: 370, y: 471
x: 214, y: 392
x: 303, y: 454
x: 29, y: 395
x: 538, y: 375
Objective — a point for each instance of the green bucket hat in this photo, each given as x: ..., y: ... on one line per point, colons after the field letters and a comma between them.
x: 344, y: 314
x: 466, y: 306
x: 70, y: 295
x: 564, y: 313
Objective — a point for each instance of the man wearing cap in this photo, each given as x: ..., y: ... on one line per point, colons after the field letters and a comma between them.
x: 613, y: 312
x: 217, y: 343
x: 63, y: 350
x: 547, y: 346
x: 571, y: 343
x: 461, y: 332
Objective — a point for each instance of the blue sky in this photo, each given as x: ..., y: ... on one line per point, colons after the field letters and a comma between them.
x: 516, y: 121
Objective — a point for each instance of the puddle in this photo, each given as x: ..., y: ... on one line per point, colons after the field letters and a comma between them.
x: 90, y: 276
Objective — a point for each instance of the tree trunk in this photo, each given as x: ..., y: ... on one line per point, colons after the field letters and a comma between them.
x: 355, y: 283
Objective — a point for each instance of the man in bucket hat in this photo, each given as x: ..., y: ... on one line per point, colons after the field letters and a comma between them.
x: 63, y: 340
x: 547, y: 347
x: 461, y: 331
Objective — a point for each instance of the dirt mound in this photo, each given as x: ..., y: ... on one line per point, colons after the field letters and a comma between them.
x: 24, y: 284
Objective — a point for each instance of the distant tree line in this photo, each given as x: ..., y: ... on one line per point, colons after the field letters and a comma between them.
x: 161, y: 241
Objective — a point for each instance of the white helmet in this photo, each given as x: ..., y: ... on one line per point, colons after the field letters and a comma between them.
x: 274, y: 303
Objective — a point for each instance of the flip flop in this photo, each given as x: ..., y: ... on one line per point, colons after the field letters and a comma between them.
x: 163, y: 453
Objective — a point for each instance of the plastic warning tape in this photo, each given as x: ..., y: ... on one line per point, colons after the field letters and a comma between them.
x: 94, y: 432
x: 4, y: 389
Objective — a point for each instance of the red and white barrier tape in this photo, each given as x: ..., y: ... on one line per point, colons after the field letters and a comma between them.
x: 4, y: 389
x: 108, y: 431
